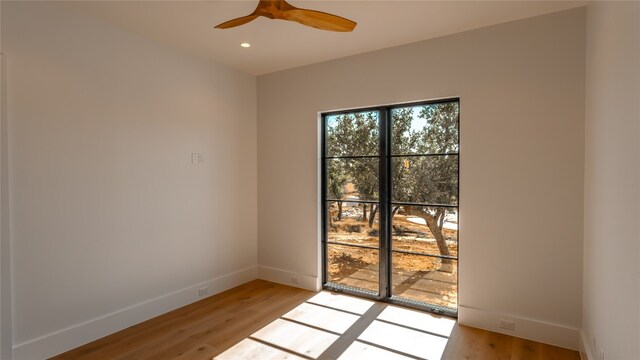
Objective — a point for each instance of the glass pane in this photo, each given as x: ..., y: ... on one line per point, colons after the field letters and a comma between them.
x: 353, y: 267
x: 425, y: 179
x: 425, y: 279
x: 425, y: 129
x: 353, y: 134
x: 352, y: 179
x: 353, y: 223
x: 425, y: 230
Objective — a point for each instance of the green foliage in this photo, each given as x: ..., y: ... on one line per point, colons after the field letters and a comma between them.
x: 440, y: 134
x: 337, y: 179
x: 353, y: 134
x: 431, y: 180
x: 425, y: 179
x: 430, y: 129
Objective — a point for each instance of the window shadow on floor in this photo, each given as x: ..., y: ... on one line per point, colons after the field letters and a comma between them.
x: 337, y: 326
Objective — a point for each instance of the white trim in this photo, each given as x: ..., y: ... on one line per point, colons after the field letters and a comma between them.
x: 540, y: 331
x: 66, y: 339
x: 585, y: 349
x: 287, y: 277
x: 388, y: 104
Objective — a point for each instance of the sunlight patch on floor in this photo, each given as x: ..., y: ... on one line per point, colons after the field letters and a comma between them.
x: 331, y: 326
x: 251, y: 349
x: 298, y: 338
x: 304, y: 332
x: 418, y: 320
x: 404, y: 340
x: 361, y: 351
x: 342, y: 302
x: 321, y: 317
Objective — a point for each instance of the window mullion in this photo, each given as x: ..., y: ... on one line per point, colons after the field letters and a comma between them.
x: 385, y: 201
x: 323, y: 196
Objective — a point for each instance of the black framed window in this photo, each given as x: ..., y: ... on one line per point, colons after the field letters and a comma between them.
x: 390, y: 197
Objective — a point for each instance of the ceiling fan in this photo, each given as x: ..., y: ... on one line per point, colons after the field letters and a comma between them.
x: 280, y: 9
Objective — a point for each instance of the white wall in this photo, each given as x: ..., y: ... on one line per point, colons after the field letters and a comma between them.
x: 521, y: 86
x: 111, y: 223
x: 612, y: 181
x: 6, y: 336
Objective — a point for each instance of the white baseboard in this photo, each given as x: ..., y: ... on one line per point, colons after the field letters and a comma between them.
x: 548, y: 333
x: 289, y: 278
x: 585, y: 349
x: 80, y: 334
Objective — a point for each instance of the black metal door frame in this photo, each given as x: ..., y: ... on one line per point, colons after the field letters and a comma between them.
x: 384, y: 204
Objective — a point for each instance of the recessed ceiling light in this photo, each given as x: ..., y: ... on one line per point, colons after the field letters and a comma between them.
x: 245, y: 45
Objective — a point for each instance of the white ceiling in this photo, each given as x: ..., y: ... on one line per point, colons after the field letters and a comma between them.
x: 279, y: 45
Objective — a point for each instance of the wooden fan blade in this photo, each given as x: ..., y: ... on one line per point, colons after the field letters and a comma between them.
x: 236, y: 22
x: 319, y: 20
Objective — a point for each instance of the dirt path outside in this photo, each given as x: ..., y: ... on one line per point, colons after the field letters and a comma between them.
x: 414, y: 277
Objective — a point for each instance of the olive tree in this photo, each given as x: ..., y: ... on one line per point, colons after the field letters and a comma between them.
x: 431, y: 129
x: 352, y: 135
x: 427, y: 179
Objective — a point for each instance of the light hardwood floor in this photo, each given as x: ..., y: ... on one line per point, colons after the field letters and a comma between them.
x: 210, y: 327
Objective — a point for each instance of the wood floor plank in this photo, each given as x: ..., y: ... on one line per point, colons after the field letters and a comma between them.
x: 154, y: 331
x: 232, y: 318
x: 203, y: 330
x: 557, y: 353
x: 465, y: 343
x: 525, y: 350
x: 245, y: 327
x: 199, y: 352
x: 498, y: 346
x: 210, y: 327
